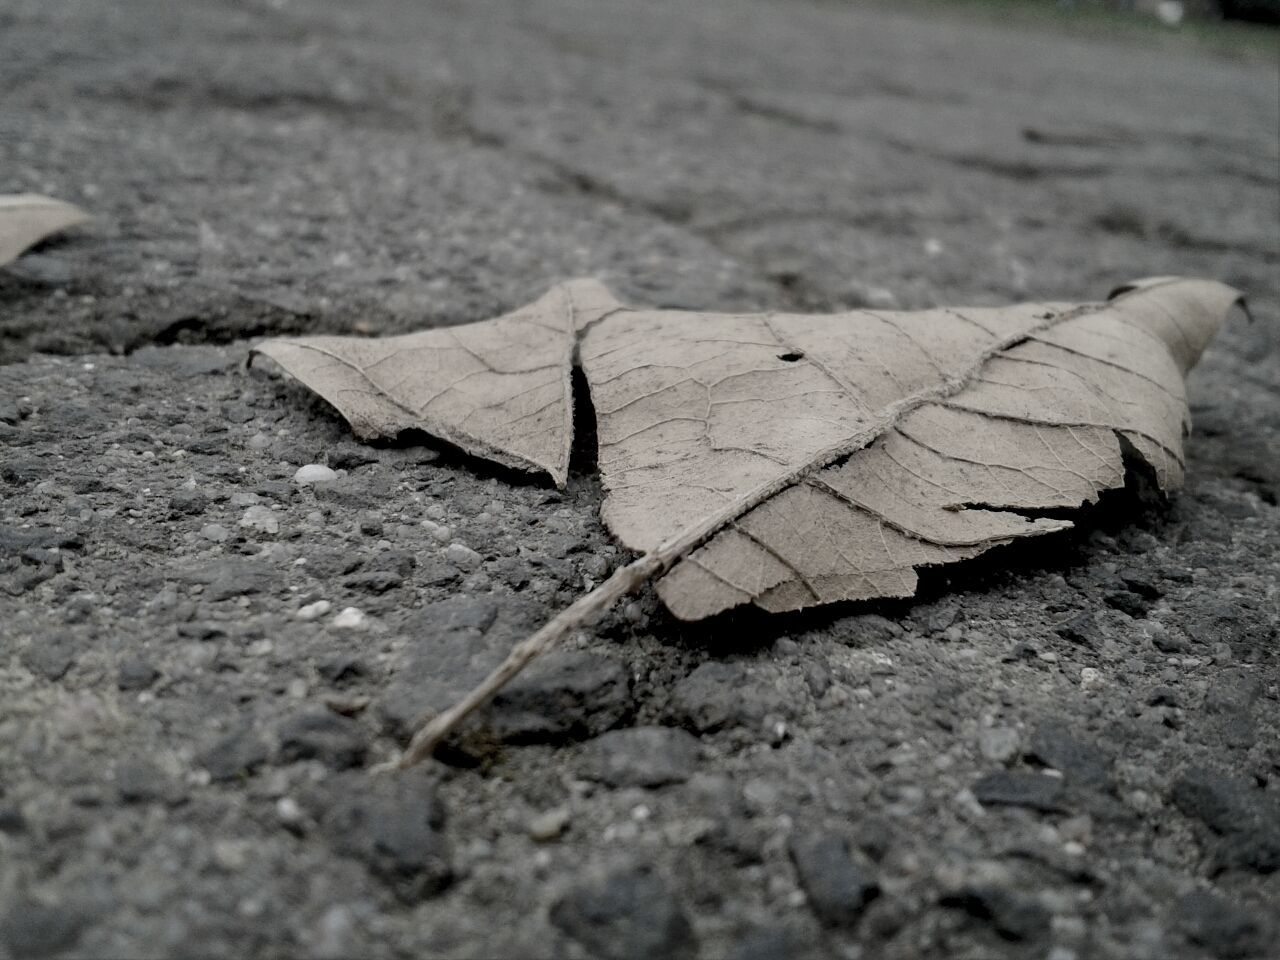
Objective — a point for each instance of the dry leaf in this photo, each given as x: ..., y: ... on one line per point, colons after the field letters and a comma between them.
x: 498, y: 389
x: 27, y: 218
x: 790, y: 460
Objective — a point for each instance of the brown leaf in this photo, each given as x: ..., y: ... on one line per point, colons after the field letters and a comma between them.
x: 27, y: 218
x: 846, y: 451
x: 789, y: 460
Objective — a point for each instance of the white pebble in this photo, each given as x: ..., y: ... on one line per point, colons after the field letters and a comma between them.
x: 288, y: 810
x: 1089, y: 677
x: 314, y: 611
x: 349, y: 619
x: 260, y: 518
x: 549, y: 825
x: 215, y: 532
x: 313, y: 473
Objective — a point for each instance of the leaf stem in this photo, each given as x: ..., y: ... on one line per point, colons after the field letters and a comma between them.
x: 624, y: 580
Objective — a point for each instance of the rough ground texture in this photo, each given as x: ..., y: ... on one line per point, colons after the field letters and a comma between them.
x: 1070, y: 751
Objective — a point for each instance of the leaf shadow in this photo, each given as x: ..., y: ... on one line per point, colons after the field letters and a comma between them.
x: 1138, y: 506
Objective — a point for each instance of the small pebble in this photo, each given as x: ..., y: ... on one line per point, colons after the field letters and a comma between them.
x: 288, y: 811
x: 998, y: 743
x: 462, y: 556
x: 313, y: 473
x: 215, y: 532
x: 349, y: 619
x: 314, y: 611
x: 136, y: 675
x: 259, y: 441
x: 549, y: 825
x: 260, y: 518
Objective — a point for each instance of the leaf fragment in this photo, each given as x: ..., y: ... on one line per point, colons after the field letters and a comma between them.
x: 498, y: 389
x: 28, y: 218
x: 789, y: 460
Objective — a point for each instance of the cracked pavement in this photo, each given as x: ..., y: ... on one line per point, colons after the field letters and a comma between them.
x: 1065, y: 750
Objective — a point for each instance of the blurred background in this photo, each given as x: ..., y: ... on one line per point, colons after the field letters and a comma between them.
x: 273, y: 165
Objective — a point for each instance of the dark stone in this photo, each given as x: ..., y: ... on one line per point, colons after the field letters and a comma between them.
x: 392, y: 824
x: 376, y: 581
x: 642, y: 756
x: 1244, y: 818
x: 1128, y: 602
x: 342, y: 669
x: 236, y: 413
x: 1229, y: 703
x: 23, y: 472
x: 942, y: 617
x: 355, y: 493
x: 1012, y: 915
x: 565, y: 695
x: 457, y: 642
x: 1232, y: 689
x: 12, y: 822
x: 136, y: 674
x: 50, y: 659
x: 631, y: 915
x: 718, y: 694
x: 458, y: 613
x: 1084, y: 763
x: 231, y: 577
x: 277, y: 490
x: 1170, y: 643
x: 771, y: 942
x: 399, y: 562
x: 201, y: 630
x: 1020, y: 788
x: 42, y: 557
x: 818, y: 678
x: 140, y: 781
x: 31, y: 929
x: 838, y: 888
x: 1221, y: 927
x: 371, y: 526
x: 1177, y: 574
x: 1163, y: 697
x: 348, y: 456
x: 14, y: 540
x: 188, y: 502
x: 435, y: 572
x: 870, y: 629
x: 320, y: 734
x: 1079, y: 629
x: 234, y: 756
x: 1141, y: 582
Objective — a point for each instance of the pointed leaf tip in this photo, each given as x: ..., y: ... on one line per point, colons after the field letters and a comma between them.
x: 28, y: 218
x: 499, y: 389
